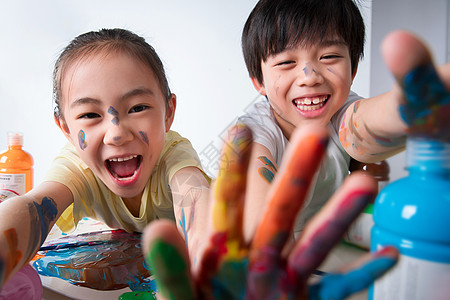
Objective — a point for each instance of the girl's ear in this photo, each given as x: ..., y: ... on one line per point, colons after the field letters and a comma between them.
x: 62, y: 125
x: 259, y: 86
x: 170, y: 111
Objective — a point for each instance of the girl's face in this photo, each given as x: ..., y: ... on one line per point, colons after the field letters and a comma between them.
x: 307, y: 85
x: 116, y: 117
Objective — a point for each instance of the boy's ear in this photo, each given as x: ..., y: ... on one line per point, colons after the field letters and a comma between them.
x: 259, y: 86
x: 170, y: 111
x: 63, y: 126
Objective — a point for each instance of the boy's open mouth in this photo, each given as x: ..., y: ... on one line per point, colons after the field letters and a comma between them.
x: 124, y: 168
x: 310, y: 103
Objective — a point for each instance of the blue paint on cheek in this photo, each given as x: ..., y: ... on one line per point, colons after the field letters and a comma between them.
x: 82, y: 140
x: 144, y: 137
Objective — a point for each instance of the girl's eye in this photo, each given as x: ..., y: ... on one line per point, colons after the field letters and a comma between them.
x: 138, y: 108
x: 89, y: 116
x: 287, y: 62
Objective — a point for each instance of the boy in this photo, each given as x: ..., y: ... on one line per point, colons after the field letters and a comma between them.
x: 303, y: 56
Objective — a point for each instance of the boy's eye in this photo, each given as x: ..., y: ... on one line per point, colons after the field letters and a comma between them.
x: 89, y: 116
x: 138, y: 108
x: 331, y: 56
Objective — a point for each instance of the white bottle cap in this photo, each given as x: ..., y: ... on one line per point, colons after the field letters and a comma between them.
x: 15, y: 139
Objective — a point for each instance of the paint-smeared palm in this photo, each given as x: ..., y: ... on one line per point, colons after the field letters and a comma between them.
x: 427, y: 107
x: 231, y: 269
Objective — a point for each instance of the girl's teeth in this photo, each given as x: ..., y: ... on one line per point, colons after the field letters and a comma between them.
x: 120, y: 159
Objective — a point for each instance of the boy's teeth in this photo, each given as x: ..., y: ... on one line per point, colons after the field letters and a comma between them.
x: 120, y: 159
x: 310, y: 103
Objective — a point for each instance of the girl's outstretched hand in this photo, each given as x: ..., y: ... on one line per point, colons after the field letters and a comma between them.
x: 269, y: 267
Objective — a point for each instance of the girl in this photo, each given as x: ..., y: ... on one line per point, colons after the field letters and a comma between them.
x: 122, y: 165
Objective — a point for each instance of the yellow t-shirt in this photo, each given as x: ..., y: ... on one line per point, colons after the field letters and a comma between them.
x: 93, y: 199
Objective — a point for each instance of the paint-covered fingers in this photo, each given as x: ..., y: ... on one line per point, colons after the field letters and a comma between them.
x: 326, y: 229
x: 427, y: 107
x: 223, y: 265
x: 166, y: 253
x: 290, y: 187
x: 286, y: 197
x: 340, y: 286
x: 229, y: 188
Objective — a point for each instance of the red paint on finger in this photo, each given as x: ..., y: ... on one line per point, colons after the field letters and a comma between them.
x: 316, y: 243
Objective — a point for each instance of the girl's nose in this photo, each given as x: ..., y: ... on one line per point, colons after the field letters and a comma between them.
x: 117, y: 132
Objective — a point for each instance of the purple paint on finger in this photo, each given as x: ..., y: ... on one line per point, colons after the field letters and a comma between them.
x: 311, y: 254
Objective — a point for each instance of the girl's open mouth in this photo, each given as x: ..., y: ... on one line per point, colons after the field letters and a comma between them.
x: 124, y: 168
x: 310, y: 103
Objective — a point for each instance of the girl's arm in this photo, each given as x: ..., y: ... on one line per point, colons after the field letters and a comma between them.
x: 191, y: 193
x: 25, y: 222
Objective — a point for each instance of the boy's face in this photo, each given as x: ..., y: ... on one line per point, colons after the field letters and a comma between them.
x: 306, y: 85
x: 115, y: 115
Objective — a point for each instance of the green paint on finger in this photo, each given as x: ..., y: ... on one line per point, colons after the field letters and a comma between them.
x: 170, y: 270
x: 147, y: 295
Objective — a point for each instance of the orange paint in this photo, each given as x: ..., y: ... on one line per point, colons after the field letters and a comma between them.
x: 14, y: 255
x: 289, y: 192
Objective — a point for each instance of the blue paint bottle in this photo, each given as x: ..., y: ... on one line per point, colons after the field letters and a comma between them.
x: 412, y: 214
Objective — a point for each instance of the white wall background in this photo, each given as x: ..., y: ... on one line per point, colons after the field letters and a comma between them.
x: 198, y: 40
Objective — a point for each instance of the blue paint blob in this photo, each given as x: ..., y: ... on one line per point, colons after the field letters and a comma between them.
x: 115, y: 263
x: 82, y: 140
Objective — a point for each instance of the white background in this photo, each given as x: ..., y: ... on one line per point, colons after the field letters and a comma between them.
x: 199, y: 43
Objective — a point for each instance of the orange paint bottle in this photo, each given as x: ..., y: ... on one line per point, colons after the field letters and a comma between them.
x: 16, y: 168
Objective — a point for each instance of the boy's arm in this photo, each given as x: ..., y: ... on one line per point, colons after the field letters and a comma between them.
x: 25, y: 222
x: 375, y: 128
x: 372, y: 129
x: 191, y: 193
x: 261, y: 171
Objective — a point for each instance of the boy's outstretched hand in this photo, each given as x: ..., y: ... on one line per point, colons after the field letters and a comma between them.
x: 426, y: 109
x: 268, y: 267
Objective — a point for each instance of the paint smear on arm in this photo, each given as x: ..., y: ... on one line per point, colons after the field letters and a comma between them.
x: 41, y: 216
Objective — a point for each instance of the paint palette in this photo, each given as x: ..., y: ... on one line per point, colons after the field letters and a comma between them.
x: 93, y: 260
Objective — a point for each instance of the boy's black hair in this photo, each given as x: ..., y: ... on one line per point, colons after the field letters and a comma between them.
x: 275, y: 25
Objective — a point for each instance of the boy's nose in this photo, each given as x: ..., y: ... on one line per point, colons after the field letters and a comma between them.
x: 309, y: 76
x: 117, y: 133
